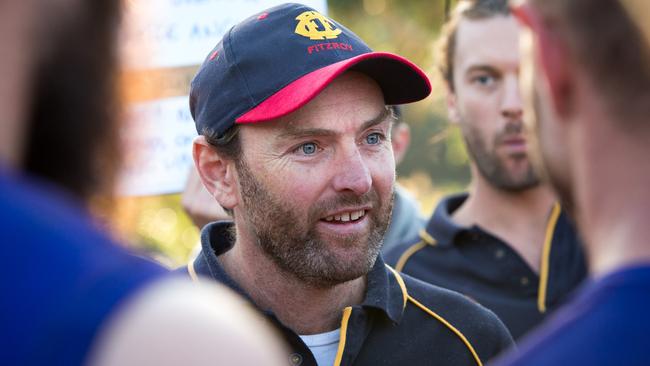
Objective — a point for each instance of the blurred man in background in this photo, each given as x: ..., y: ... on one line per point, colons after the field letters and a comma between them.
x: 406, y: 220
x: 506, y: 243
x: 587, y: 77
x: 70, y: 296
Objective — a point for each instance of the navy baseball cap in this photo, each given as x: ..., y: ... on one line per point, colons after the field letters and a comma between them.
x: 274, y: 62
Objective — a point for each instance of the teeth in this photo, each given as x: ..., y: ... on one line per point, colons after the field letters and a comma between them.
x: 346, y: 217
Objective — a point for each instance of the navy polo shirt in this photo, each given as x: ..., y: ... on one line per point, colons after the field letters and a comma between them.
x: 481, y: 266
x: 402, y: 321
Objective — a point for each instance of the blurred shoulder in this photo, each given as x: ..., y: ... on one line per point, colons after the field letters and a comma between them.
x: 175, y: 321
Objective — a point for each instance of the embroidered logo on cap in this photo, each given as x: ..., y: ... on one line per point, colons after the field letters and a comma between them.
x: 316, y: 26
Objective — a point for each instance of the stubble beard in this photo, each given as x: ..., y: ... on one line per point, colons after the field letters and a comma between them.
x: 294, y: 244
x: 492, y: 167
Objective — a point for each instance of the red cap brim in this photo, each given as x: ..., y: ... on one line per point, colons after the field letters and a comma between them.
x: 400, y: 80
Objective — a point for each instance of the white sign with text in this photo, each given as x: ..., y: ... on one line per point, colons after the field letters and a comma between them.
x: 161, y: 35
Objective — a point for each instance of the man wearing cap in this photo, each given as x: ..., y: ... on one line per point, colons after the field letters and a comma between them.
x: 588, y: 90
x: 295, y: 143
x: 506, y: 243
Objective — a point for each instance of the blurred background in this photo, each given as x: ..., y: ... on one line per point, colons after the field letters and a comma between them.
x: 436, y: 163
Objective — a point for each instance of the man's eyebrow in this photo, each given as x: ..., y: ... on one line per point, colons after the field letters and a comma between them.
x: 297, y: 132
x: 293, y: 131
x: 485, y: 68
x: 385, y: 113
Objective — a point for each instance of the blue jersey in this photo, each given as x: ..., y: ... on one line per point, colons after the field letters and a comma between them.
x: 61, y: 277
x: 607, y: 324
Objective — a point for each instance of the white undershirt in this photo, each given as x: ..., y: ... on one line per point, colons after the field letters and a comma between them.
x: 324, y: 346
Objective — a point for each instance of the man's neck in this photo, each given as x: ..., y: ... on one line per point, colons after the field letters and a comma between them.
x: 304, y: 308
x: 518, y: 218
x: 621, y: 242
x: 613, y: 202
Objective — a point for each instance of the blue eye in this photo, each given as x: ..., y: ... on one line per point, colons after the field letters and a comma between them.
x: 373, y: 139
x: 309, y: 148
x: 485, y: 80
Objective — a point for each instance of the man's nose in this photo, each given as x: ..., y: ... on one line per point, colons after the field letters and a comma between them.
x: 511, y: 107
x: 352, y: 173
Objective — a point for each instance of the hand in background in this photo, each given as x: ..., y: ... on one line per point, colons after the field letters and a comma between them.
x: 199, y: 205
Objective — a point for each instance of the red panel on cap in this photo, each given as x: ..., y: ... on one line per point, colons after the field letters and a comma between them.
x: 304, y: 89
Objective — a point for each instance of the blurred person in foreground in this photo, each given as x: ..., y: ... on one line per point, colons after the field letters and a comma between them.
x: 406, y: 220
x: 295, y: 143
x: 506, y: 243
x: 587, y: 91
x: 70, y: 296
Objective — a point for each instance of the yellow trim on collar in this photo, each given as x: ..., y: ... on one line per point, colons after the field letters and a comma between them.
x: 400, y: 281
x: 408, y: 253
x: 450, y: 327
x: 344, y: 329
x: 545, y: 260
x: 427, y: 238
x: 192, y: 271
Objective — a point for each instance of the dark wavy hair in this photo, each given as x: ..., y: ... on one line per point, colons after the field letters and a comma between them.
x: 72, y: 137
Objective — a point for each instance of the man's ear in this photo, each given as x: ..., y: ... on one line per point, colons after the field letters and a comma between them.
x: 216, y: 172
x: 452, y: 107
x: 400, y: 139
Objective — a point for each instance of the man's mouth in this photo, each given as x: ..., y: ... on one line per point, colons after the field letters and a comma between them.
x: 514, y: 145
x: 346, y: 216
x: 514, y: 140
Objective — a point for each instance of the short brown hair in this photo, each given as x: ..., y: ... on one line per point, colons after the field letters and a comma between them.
x: 446, y: 44
x: 602, y: 38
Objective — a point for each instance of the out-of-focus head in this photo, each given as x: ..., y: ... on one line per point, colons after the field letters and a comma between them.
x: 583, y: 56
x: 61, y: 93
x: 464, y: 10
x: 17, y: 35
x: 291, y: 106
x: 479, y: 61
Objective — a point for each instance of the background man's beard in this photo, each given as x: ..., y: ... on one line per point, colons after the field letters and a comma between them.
x: 298, y: 249
x: 492, y: 168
